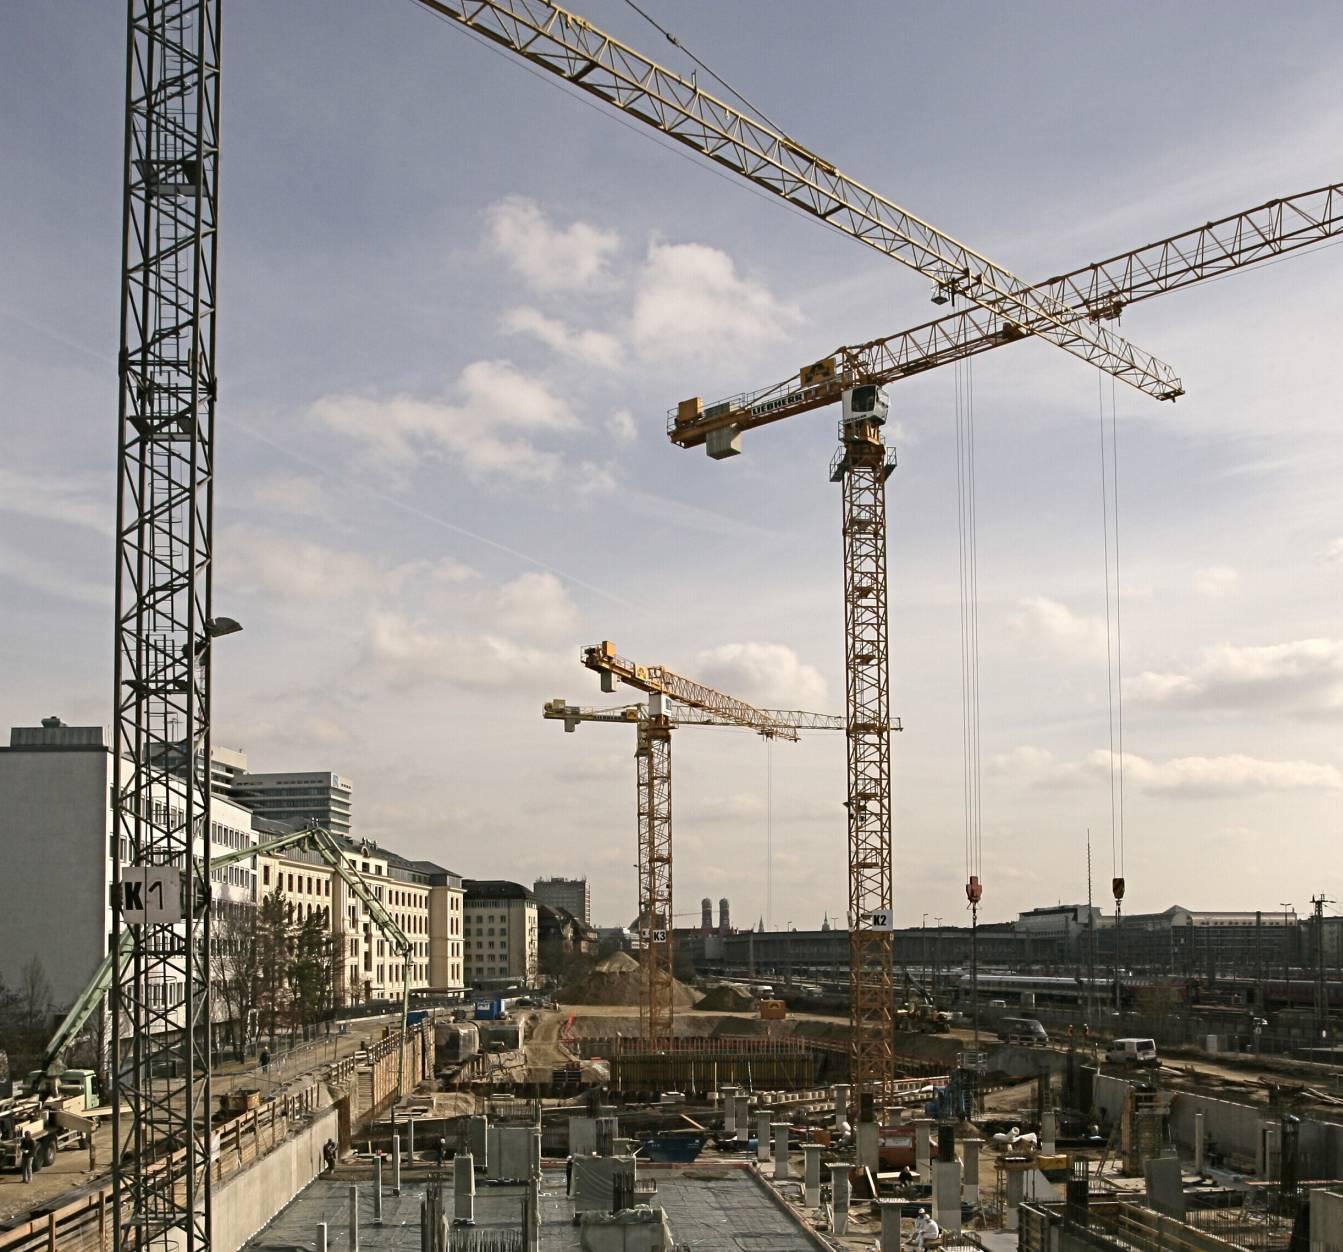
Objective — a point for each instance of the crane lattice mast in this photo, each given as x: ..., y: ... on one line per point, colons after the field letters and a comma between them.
x: 653, y: 792
x: 161, y: 749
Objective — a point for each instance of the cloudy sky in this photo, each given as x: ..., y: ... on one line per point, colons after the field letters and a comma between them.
x: 457, y: 302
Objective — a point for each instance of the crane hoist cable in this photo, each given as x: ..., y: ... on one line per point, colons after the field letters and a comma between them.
x: 1114, y: 665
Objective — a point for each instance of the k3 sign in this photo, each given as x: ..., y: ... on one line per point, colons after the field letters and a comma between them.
x: 151, y: 895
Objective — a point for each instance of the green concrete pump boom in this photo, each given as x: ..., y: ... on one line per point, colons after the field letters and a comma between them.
x: 314, y: 837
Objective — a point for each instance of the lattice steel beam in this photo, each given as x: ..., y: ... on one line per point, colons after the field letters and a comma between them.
x: 653, y: 756
x: 161, y: 777
x: 570, y: 47
x: 862, y: 466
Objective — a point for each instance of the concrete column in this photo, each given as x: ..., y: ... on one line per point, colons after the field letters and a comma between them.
x: 1199, y: 1141
x: 533, y: 1215
x: 464, y: 1190
x: 377, y: 1191
x: 321, y: 1237
x: 478, y: 1139
x: 743, y: 1118
x: 839, y: 1196
x: 1016, y: 1186
x: 762, y: 1117
x: 841, y: 1103
x: 780, y: 1151
x: 410, y: 1146
x: 729, y: 1095
x: 534, y: 1152
x: 1049, y: 1132
x: 947, y: 1195
x: 890, y: 1225
x: 354, y: 1219
x: 396, y: 1164
x: 923, y: 1148
x: 811, y: 1175
x: 970, y: 1174
x: 426, y: 1237
x: 869, y: 1146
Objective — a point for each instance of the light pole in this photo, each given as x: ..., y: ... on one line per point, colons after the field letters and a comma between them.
x: 923, y: 943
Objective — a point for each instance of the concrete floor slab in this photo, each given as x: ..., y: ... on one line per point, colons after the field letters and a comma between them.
x: 710, y: 1211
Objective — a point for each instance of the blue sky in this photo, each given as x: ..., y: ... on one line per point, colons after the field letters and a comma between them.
x: 456, y: 304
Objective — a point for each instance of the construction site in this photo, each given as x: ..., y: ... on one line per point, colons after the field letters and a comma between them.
x: 1086, y: 1077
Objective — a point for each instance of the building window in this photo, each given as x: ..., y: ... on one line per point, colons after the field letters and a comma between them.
x: 265, y: 875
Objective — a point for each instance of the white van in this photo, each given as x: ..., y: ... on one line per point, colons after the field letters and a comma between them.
x: 1132, y: 1052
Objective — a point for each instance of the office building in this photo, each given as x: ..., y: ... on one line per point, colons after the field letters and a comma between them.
x: 573, y: 895
x: 297, y: 798
x: 502, y: 938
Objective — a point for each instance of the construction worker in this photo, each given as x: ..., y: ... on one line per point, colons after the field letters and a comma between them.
x: 329, y: 1153
x: 28, y: 1153
x: 926, y: 1231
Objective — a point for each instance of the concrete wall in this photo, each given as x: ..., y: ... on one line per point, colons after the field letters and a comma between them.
x: 1232, y: 1128
x: 245, y: 1203
x: 1108, y: 1094
x: 1326, y: 1220
x: 1023, y: 1062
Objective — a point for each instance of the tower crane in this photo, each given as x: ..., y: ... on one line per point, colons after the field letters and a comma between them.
x: 1101, y: 290
x: 854, y: 377
x: 674, y: 700
x: 167, y: 390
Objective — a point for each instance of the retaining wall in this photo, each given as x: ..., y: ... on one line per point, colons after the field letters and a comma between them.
x: 246, y: 1202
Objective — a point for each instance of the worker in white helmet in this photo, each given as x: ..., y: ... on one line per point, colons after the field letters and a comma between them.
x: 926, y: 1231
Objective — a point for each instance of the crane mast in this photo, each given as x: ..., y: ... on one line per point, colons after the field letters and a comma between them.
x: 653, y: 795
x: 1097, y: 291
x: 161, y: 685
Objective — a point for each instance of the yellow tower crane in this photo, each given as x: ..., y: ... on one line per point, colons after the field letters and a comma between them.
x: 854, y: 377
x: 674, y: 700
x: 562, y: 43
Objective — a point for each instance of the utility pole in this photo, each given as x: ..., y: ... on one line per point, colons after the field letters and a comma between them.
x: 937, y: 958
x: 1091, y: 940
x: 1259, y: 959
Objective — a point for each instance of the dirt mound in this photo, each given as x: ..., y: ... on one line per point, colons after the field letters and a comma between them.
x: 726, y: 998
x: 617, y: 980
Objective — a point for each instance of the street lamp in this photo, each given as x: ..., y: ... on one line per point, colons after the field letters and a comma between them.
x: 937, y: 957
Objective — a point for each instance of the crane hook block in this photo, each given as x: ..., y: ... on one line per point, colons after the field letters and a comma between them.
x: 974, y: 890
x: 1117, y: 884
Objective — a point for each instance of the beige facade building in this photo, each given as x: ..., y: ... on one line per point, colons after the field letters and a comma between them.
x: 424, y: 899
x: 502, y: 933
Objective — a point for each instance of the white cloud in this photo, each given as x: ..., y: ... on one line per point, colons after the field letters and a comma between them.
x: 620, y: 426
x: 49, y: 577
x: 769, y: 675
x: 74, y: 499
x: 549, y: 258
x: 407, y: 652
x: 478, y: 431
x: 294, y: 493
x: 1333, y: 553
x: 1196, y: 776
x: 592, y: 347
x: 536, y: 604
x: 690, y: 299
x: 1049, y: 621
x: 1305, y: 676
x: 291, y: 569
x: 1220, y: 775
x: 1215, y: 580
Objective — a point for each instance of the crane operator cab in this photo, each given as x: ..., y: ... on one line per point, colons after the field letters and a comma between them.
x: 867, y: 403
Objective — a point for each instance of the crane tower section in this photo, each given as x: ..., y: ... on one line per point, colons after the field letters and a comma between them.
x: 861, y: 467
x: 161, y: 782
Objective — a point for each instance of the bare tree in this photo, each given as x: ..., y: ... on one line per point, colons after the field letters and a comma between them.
x: 35, y: 996
x: 236, y: 969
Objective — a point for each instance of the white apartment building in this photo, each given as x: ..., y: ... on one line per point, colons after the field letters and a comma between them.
x: 502, y: 934
x: 56, y: 842
x: 424, y: 899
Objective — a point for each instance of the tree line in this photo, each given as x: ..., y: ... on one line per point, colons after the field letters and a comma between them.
x: 273, y: 974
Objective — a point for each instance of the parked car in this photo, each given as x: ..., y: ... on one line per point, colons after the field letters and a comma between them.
x: 1132, y: 1052
x: 1022, y: 1030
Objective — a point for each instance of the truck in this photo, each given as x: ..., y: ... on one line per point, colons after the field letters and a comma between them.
x: 57, y: 1120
